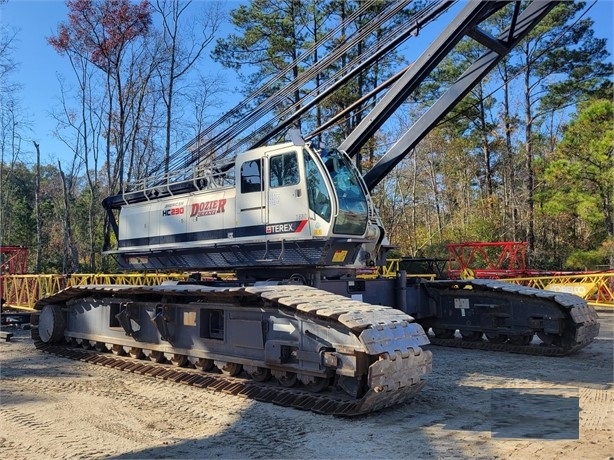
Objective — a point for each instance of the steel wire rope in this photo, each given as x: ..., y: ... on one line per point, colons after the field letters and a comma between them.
x: 456, y: 116
x: 335, y: 120
x: 399, y: 34
x: 386, y: 15
x: 305, y: 77
x: 364, y: 31
x: 373, y: 53
x: 234, y: 112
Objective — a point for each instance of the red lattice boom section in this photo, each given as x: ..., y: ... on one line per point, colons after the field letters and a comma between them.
x: 13, y: 260
x: 487, y: 259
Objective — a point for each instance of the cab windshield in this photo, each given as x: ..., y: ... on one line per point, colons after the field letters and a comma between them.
x: 353, y: 210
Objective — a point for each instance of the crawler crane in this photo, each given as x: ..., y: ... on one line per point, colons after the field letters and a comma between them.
x: 295, y: 222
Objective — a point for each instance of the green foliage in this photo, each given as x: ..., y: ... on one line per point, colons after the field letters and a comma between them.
x: 275, y: 43
x: 579, y: 187
x: 269, y: 39
x: 581, y: 173
x: 489, y: 187
x: 394, y: 254
x: 19, y: 223
x: 594, y: 259
x: 17, y: 205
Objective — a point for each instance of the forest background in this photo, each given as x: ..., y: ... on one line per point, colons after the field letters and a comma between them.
x: 526, y: 156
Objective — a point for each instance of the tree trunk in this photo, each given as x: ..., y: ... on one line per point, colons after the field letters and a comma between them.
x: 530, y: 179
x: 71, y: 255
x: 509, y: 178
x: 436, y: 198
x: 37, y: 211
x: 486, y: 155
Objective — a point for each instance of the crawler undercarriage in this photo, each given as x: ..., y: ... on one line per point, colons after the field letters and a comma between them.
x: 356, y: 357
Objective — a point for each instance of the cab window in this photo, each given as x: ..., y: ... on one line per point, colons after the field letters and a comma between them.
x: 251, y: 177
x: 317, y: 193
x: 283, y: 170
x: 353, y: 207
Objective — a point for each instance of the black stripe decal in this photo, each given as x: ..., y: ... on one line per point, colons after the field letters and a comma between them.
x: 203, y: 236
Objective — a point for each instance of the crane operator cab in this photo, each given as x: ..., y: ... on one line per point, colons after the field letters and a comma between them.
x: 286, y: 204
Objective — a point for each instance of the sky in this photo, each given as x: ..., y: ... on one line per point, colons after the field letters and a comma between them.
x: 33, y: 21
x: 40, y: 66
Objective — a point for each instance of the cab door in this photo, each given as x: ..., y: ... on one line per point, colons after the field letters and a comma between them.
x: 251, y: 198
x: 287, y: 204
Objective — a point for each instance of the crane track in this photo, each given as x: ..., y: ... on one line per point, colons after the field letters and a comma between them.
x: 535, y: 350
x: 388, y: 336
x: 327, y: 403
x: 582, y: 322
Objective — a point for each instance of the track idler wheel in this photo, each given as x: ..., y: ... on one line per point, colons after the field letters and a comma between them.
x: 204, y: 364
x: 314, y: 384
x: 155, y: 356
x: 471, y: 336
x: 51, y: 324
x: 86, y: 344
x: 118, y: 350
x: 259, y: 374
x: 178, y: 360
x: 547, y: 338
x: 496, y: 338
x: 286, y: 379
x: 136, y: 353
x: 443, y: 333
x: 230, y: 369
x: 521, y: 339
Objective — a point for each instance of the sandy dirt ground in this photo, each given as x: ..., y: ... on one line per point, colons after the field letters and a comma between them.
x: 476, y: 405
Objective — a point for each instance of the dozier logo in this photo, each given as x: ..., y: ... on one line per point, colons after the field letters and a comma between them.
x: 173, y: 211
x: 206, y: 208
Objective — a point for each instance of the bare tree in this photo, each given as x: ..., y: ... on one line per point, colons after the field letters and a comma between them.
x: 70, y: 262
x: 12, y: 124
x: 80, y: 131
x: 182, y: 48
x: 37, y: 210
x: 112, y: 37
x: 10, y: 150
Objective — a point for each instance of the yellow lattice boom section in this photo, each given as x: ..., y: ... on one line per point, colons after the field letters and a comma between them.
x: 596, y: 288
x: 23, y: 291
x: 390, y: 271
